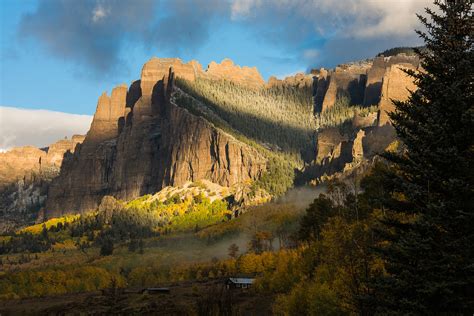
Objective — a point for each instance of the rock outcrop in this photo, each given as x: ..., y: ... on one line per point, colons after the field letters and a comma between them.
x: 339, y: 151
x: 142, y: 147
x: 20, y: 162
x: 242, y: 75
x: 300, y: 80
x: 375, y: 82
x: 25, y: 174
x: 362, y: 82
x: 375, y: 75
x: 344, y: 81
x: 396, y: 86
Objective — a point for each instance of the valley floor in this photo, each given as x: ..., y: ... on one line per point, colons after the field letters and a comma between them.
x: 184, y: 298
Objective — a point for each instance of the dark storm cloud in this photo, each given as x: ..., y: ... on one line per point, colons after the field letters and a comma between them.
x: 93, y: 33
x: 87, y: 32
x: 186, y: 24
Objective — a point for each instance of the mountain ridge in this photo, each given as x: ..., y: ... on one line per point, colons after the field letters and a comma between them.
x: 142, y: 139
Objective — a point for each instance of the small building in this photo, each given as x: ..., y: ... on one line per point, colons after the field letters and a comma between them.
x: 239, y: 283
x: 156, y: 290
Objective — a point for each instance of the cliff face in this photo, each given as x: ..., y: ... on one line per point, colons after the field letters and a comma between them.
x: 344, y: 82
x: 140, y: 142
x: 241, y: 75
x: 362, y: 82
x: 25, y: 174
x: 375, y: 75
x: 299, y: 80
x: 396, y: 86
x: 20, y: 162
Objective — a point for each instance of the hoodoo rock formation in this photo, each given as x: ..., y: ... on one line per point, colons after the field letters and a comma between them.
x: 140, y: 142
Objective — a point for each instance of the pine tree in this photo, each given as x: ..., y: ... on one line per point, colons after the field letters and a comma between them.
x: 107, y: 246
x: 430, y: 226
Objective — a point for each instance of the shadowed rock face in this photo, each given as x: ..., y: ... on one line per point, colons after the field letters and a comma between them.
x: 361, y: 83
x: 348, y: 82
x: 142, y: 148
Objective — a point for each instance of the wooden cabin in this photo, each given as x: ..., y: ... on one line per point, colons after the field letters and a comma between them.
x: 239, y: 283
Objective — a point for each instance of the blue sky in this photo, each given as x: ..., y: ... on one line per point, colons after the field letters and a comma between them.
x: 62, y: 54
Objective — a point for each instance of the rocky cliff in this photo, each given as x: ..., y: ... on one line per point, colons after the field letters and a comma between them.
x: 25, y: 174
x: 20, y: 162
x: 374, y: 82
x: 396, y: 86
x: 362, y: 82
x: 140, y: 142
x: 299, y: 80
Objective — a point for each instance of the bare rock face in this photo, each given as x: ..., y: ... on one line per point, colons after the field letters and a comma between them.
x: 376, y: 73
x: 361, y: 82
x: 327, y: 142
x: 25, y: 174
x: 357, y: 146
x: 157, y: 68
x: 321, y: 88
x: 109, y: 109
x: 377, y: 139
x: 156, y: 144
x: 348, y: 81
x: 343, y: 150
x: 242, y: 75
x: 360, y: 121
x: 396, y: 86
x: 20, y: 162
x: 300, y: 80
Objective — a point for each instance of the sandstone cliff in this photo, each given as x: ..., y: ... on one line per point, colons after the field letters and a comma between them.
x: 396, y: 86
x: 142, y: 142
x: 20, y: 162
x: 241, y: 75
x: 299, y: 80
x: 375, y: 75
x: 362, y: 82
x: 378, y: 82
x: 25, y: 174
x: 345, y: 82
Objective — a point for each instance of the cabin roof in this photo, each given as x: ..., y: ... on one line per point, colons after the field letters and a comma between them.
x: 242, y: 280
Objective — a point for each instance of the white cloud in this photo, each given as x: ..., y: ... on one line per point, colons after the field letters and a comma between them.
x: 325, y: 33
x: 363, y: 18
x: 40, y: 128
x: 99, y: 13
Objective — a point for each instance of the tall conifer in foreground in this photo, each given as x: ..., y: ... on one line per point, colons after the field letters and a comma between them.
x: 430, y: 226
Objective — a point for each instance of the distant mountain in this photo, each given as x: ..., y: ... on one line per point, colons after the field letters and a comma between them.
x: 39, y: 128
